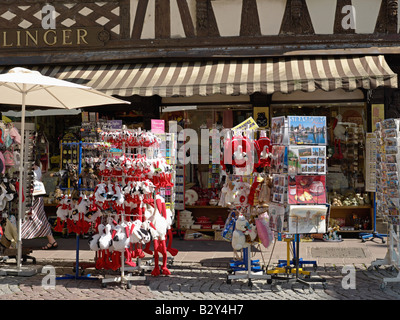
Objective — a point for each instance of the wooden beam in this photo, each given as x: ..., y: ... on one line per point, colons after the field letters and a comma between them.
x: 162, y: 19
x: 250, y: 22
x: 187, y: 20
x: 139, y: 19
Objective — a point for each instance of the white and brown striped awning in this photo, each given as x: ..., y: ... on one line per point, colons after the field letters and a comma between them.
x: 231, y: 77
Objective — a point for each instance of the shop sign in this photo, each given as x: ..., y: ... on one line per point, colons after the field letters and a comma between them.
x: 60, y: 37
x: 248, y: 124
x: 157, y: 126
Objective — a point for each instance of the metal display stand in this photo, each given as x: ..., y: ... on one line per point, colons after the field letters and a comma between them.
x: 392, y: 257
x: 140, y: 266
x: 124, y: 278
x: 301, y: 262
x: 291, y: 268
x: 374, y: 234
x: 251, y: 269
x: 387, y: 195
x: 294, y: 267
x: 76, y: 276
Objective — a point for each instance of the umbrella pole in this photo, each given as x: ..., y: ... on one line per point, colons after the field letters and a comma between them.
x: 21, y: 170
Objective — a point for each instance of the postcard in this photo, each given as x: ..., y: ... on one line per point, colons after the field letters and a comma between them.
x: 305, y: 130
x: 278, y: 163
x: 307, y: 219
x: 279, y: 188
x: 306, y: 159
x: 277, y: 130
x: 277, y: 219
x: 304, y: 189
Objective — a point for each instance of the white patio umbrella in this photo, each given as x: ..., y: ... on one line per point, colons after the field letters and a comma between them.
x: 25, y: 87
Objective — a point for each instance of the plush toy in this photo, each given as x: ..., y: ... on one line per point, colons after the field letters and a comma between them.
x: 121, y: 243
x: 339, y: 132
x: 230, y: 194
x: 105, y: 243
x: 238, y: 236
x: 238, y: 152
x: 62, y: 212
x: 242, y: 193
x: 161, y: 221
x: 93, y: 241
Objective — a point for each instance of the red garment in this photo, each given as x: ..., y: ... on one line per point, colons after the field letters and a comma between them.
x: 264, y: 142
x: 232, y: 149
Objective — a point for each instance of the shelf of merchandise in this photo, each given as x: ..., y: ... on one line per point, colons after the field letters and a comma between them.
x: 204, y: 207
x: 354, y: 231
x: 350, y: 207
x: 344, y: 211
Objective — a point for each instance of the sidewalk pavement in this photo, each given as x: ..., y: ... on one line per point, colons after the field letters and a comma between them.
x: 200, y: 272
x: 219, y: 253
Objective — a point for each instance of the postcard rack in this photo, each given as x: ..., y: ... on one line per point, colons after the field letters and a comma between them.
x: 298, y: 195
x: 387, y: 197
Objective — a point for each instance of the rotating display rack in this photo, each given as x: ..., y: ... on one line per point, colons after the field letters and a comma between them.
x: 388, y: 191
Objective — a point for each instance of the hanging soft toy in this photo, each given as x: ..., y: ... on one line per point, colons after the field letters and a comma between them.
x: 93, y: 212
x: 230, y: 194
x: 100, y: 193
x: 242, y: 193
x: 222, y: 196
x: 62, y: 213
x: 264, y: 147
x: 160, y: 221
x: 93, y: 241
x: 81, y: 224
x: 105, y: 243
x: 239, y: 152
x: 94, y: 245
x: 339, y: 132
x: 121, y: 242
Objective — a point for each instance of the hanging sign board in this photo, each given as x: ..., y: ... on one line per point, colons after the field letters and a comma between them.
x: 157, y: 126
x: 248, y: 124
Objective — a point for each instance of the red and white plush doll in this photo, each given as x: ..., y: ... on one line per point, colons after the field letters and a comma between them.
x: 264, y: 147
x: 62, y: 213
x: 121, y: 243
x: 239, y: 152
x: 161, y: 221
x: 105, y: 244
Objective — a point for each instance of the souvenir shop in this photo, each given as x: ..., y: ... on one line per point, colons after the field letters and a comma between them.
x: 348, y: 119
x: 281, y: 165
